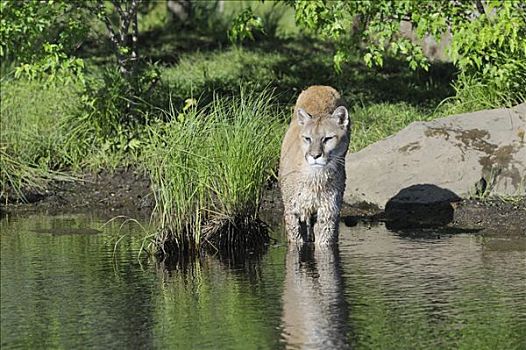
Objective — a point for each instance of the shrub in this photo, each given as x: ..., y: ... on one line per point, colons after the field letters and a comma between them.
x: 490, y: 52
x: 488, y: 43
x: 39, y: 36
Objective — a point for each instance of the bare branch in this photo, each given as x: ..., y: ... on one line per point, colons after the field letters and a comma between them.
x: 118, y: 7
x: 134, y: 6
x: 128, y: 14
x: 480, y: 7
x: 125, y: 42
x: 135, y: 37
x: 132, y: 11
x: 107, y: 22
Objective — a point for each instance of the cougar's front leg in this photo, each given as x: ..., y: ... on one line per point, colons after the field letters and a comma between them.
x: 292, y: 225
x: 326, y: 226
x: 326, y: 229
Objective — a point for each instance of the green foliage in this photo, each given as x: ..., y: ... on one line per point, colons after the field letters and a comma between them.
x: 491, y: 49
x: 277, y: 17
x: 209, y: 167
x: 39, y: 36
x: 205, y: 17
x: 487, y: 37
x: 53, y: 66
x: 113, y: 111
x: 376, y: 23
x: 109, y: 104
x: 244, y: 26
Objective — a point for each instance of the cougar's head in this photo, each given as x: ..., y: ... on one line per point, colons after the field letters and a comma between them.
x: 324, y: 139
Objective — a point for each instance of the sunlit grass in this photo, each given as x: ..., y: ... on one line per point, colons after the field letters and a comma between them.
x: 32, y: 113
x: 473, y: 95
x: 30, y: 137
x: 202, y: 75
x: 208, y: 168
x: 375, y: 122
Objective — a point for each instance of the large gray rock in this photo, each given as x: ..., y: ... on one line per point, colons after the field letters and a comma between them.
x: 452, y: 154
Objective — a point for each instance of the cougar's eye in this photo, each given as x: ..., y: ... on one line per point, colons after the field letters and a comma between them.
x: 307, y: 139
x: 327, y: 139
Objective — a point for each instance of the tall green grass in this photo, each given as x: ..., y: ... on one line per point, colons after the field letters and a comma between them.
x: 49, y: 131
x: 31, y: 138
x: 19, y: 178
x: 32, y: 114
x: 208, y: 169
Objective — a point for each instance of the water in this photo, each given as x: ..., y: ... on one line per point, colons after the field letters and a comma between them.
x: 64, y: 285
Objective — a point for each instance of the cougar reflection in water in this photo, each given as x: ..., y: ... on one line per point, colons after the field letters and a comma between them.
x: 314, y: 308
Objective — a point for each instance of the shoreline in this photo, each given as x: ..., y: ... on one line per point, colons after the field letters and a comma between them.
x: 126, y: 192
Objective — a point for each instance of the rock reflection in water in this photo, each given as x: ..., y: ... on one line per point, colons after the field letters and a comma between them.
x: 314, y: 309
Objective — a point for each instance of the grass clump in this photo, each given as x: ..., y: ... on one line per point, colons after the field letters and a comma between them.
x: 32, y: 113
x: 473, y: 94
x: 19, y: 179
x: 208, y: 168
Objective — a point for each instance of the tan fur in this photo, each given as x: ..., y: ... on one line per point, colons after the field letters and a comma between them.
x: 319, y: 101
x: 312, y: 169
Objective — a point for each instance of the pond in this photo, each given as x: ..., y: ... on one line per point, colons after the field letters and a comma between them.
x: 65, y: 284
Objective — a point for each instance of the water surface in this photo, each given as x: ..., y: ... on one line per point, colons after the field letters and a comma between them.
x: 65, y: 285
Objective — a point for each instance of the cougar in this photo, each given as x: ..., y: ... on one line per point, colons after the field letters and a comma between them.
x: 312, y: 166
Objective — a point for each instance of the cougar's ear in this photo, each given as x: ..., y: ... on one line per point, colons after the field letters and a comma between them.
x: 303, y: 116
x: 342, y: 116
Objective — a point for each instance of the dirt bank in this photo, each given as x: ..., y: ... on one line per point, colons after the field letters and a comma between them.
x: 495, y: 217
x: 126, y: 191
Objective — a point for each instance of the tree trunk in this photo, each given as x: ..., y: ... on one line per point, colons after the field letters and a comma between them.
x: 123, y: 36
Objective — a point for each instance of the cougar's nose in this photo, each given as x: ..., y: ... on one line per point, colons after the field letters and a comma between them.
x: 316, y: 155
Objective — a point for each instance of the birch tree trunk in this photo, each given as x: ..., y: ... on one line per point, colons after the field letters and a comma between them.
x: 124, y: 34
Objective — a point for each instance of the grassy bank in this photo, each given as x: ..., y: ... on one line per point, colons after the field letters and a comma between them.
x: 209, y: 148
x: 46, y: 135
